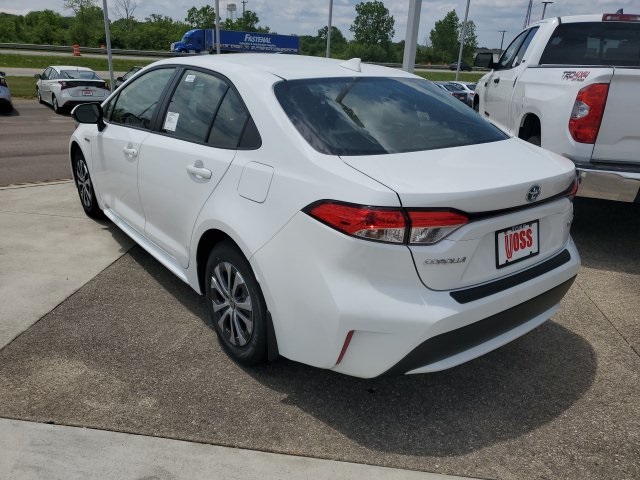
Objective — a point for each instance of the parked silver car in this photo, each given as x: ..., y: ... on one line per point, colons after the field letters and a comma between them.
x: 67, y: 86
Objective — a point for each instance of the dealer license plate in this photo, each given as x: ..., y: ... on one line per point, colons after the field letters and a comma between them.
x: 87, y: 93
x: 516, y: 243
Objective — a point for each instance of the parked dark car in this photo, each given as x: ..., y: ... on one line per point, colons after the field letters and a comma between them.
x: 454, y: 90
x: 463, y: 66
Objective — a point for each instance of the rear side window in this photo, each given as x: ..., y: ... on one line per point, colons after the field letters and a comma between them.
x: 193, y: 106
x: 378, y: 115
x: 136, y: 103
x: 229, y: 123
x: 595, y: 43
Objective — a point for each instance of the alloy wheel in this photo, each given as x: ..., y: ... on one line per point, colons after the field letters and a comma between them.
x: 83, y: 182
x: 232, y: 306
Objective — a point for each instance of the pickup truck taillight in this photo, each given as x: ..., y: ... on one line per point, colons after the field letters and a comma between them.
x: 587, y: 112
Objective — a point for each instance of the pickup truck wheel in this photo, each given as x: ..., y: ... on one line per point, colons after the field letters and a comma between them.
x: 534, y: 139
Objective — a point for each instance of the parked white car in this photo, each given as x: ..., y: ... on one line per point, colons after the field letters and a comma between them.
x: 64, y: 87
x: 343, y: 215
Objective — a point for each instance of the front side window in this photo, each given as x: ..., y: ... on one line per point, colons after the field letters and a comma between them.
x: 378, y: 115
x: 523, y: 48
x: 193, y: 106
x: 594, y: 43
x: 509, y: 54
x: 136, y: 103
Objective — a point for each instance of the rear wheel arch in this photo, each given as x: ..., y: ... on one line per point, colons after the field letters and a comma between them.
x: 530, y: 129
x: 208, y: 241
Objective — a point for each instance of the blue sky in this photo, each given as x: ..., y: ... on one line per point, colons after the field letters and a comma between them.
x: 307, y: 16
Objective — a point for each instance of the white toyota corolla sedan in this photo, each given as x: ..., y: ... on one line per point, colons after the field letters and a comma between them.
x: 64, y: 87
x: 347, y: 216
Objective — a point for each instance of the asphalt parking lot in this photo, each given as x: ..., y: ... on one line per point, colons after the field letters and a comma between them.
x: 130, y: 351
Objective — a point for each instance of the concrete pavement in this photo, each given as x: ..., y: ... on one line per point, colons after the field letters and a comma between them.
x: 48, y: 250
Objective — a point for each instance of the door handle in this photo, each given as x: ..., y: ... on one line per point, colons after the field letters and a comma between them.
x: 130, y: 151
x: 198, y: 170
x: 496, y: 80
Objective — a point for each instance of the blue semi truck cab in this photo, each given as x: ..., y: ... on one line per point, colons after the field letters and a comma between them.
x: 203, y: 40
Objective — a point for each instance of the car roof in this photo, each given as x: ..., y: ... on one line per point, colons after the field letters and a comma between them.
x: 287, y: 67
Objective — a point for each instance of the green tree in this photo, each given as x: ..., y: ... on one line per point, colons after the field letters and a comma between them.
x: 44, y: 27
x: 338, y: 41
x: 445, y: 39
x: 204, y: 17
x: 247, y: 23
x: 373, y: 24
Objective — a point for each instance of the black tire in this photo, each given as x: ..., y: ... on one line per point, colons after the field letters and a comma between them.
x: 535, y: 140
x: 38, y: 96
x: 85, y: 187
x: 54, y: 104
x: 236, y: 305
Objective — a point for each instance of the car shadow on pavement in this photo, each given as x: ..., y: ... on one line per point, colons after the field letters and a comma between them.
x: 500, y: 396
x: 606, y: 233
x: 13, y: 113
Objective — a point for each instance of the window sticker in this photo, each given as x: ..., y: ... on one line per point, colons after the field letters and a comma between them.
x: 190, y: 78
x: 171, y: 121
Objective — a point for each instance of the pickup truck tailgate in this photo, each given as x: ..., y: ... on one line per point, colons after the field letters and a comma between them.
x: 619, y: 137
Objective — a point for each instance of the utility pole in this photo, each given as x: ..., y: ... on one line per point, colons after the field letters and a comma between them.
x: 544, y: 9
x: 527, y: 17
x: 329, y: 29
x: 243, y: 2
x: 107, y: 39
x: 502, y: 39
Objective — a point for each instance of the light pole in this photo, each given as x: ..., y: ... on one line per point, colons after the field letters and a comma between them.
x: 464, y: 32
x: 329, y: 29
x: 108, y: 41
x: 544, y: 9
x: 411, y: 36
x: 502, y: 39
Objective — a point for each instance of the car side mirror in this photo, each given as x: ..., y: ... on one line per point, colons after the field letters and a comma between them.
x: 38, y: 76
x: 484, y: 60
x: 90, y: 113
x: 120, y: 79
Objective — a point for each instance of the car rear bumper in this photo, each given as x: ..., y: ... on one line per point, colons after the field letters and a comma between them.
x: 330, y: 288
x: 609, y: 184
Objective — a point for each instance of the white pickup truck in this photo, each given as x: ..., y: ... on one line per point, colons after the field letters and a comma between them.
x: 572, y: 86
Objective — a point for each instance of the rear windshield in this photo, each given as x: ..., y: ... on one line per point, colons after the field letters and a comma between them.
x: 371, y: 116
x: 79, y: 74
x: 596, y: 43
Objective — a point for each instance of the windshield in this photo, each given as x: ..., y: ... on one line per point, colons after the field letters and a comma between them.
x: 377, y: 115
x: 80, y: 74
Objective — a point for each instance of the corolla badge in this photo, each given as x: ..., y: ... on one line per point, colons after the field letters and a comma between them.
x: 533, y: 193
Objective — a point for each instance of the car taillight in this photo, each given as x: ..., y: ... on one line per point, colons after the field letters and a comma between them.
x: 573, y: 188
x: 63, y: 85
x: 3, y: 83
x: 587, y: 112
x: 431, y: 226
x: 382, y: 225
x: 389, y: 225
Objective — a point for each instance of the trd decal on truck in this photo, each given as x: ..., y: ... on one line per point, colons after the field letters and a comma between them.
x: 575, y: 76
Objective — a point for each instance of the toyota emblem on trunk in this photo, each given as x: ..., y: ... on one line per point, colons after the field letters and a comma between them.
x: 533, y: 193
